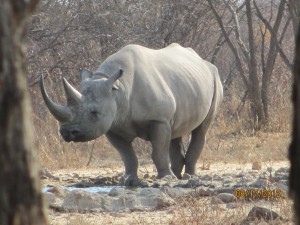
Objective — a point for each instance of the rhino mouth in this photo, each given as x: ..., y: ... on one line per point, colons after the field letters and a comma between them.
x: 78, y: 138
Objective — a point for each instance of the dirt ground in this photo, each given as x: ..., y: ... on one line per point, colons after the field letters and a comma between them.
x: 187, y: 210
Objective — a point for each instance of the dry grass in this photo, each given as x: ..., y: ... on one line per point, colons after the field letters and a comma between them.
x: 195, y: 210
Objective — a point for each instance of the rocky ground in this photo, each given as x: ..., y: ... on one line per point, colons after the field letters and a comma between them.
x: 258, y: 189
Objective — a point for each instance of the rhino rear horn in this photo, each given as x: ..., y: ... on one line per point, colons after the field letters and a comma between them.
x: 111, y: 80
x: 61, y: 113
x: 73, y: 96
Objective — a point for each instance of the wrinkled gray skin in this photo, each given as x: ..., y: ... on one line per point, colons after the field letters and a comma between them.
x: 157, y: 95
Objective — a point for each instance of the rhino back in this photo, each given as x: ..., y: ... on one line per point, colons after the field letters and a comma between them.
x: 172, y: 85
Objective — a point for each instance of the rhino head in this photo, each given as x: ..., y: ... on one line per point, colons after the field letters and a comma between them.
x: 91, y: 111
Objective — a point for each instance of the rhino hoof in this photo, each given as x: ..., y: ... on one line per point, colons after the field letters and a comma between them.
x: 132, y: 181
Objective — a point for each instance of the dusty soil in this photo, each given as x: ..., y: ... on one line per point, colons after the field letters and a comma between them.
x: 186, y: 210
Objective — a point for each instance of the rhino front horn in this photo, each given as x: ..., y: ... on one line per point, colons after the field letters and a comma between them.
x: 61, y: 113
x: 73, y: 96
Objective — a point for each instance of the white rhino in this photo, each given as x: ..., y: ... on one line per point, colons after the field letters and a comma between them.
x: 157, y: 95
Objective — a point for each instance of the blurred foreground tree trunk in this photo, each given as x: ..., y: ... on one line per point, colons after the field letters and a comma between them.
x: 294, y: 151
x: 21, y: 200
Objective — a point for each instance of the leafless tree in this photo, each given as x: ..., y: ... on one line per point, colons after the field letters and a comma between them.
x: 246, y: 49
x: 20, y: 191
x: 294, y: 9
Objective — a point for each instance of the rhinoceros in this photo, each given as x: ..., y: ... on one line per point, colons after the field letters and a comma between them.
x: 156, y: 95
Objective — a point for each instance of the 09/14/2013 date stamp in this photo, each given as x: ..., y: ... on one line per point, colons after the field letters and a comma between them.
x: 258, y: 193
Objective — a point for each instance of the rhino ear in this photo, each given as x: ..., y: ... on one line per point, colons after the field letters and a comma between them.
x: 113, y: 82
x: 85, y: 74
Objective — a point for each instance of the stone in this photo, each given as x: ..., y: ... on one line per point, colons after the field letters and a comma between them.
x: 203, y: 191
x: 58, y: 191
x: 206, y: 177
x: 156, y: 201
x: 75, y: 175
x: 125, y: 202
x: 149, y: 191
x: 176, y: 191
x: 116, y: 192
x: 147, y: 176
x: 283, y: 170
x: 49, y: 198
x: 259, y: 183
x: 256, y: 165
x: 217, y: 178
x: 226, y: 197
x: 215, y: 200
x: 258, y: 213
x: 186, y: 176
x: 193, y: 182
x: 79, y: 200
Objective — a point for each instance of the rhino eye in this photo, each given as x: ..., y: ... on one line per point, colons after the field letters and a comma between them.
x: 94, y: 113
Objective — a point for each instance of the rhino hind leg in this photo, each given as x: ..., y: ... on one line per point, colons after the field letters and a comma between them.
x: 195, y: 148
x: 177, y: 156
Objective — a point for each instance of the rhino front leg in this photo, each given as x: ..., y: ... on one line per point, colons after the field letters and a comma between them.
x: 160, y: 137
x: 129, y: 158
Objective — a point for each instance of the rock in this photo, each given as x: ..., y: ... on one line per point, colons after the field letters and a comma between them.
x: 79, y: 200
x: 206, y: 177
x: 215, y: 200
x: 147, y: 176
x: 283, y: 190
x: 75, y: 175
x: 116, y: 192
x: 46, y: 174
x: 280, y: 175
x: 217, y: 178
x: 203, y: 192
x: 227, y: 181
x: 186, y: 176
x: 82, y: 184
x: 283, y: 170
x: 283, y: 182
x: 270, y: 169
x: 156, y: 201
x: 149, y: 191
x: 125, y: 202
x: 176, y: 192
x: 226, y: 197
x: 259, y: 183
x: 232, y: 205
x: 245, y: 179
x: 193, y: 182
x: 239, y: 175
x: 258, y: 213
x: 256, y: 165
x: 49, y: 198
x: 58, y: 191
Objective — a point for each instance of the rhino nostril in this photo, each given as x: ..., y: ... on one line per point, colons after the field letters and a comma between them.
x: 75, y: 132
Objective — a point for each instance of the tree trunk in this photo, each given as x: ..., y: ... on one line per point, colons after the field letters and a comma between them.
x: 20, y: 191
x: 254, y: 89
x: 294, y: 151
x: 294, y: 10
